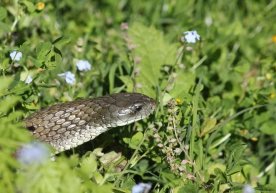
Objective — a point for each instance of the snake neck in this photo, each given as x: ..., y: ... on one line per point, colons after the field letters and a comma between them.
x: 77, y: 138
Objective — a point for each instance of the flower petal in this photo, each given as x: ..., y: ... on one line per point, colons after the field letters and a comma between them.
x: 69, y: 77
x: 16, y: 55
x: 33, y: 153
x: 83, y: 65
x: 190, y: 36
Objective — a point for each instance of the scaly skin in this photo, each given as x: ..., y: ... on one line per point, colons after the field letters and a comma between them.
x: 67, y: 125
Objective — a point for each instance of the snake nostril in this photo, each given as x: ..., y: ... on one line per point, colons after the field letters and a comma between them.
x: 31, y: 128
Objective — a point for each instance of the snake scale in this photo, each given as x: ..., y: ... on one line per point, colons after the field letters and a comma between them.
x: 68, y: 125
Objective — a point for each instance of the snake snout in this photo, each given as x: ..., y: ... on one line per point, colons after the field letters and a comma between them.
x: 134, y: 107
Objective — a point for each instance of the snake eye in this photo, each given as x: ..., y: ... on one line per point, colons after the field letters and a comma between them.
x: 138, y: 107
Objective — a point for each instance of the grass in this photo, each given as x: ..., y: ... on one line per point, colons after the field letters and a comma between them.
x: 214, y: 127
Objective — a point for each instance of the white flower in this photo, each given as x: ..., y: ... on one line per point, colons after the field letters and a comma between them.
x: 208, y: 21
x: 141, y: 188
x: 16, y: 55
x: 248, y: 189
x: 69, y: 77
x: 83, y: 65
x: 190, y: 37
x: 29, y: 79
x: 33, y: 153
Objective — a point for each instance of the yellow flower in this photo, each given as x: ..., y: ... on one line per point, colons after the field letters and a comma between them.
x: 178, y: 101
x: 268, y: 76
x: 254, y: 139
x: 272, y: 95
x: 274, y: 39
x: 244, y: 132
x: 40, y: 6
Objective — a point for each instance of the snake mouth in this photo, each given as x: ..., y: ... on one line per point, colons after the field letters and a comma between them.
x: 136, y: 112
x: 148, y: 111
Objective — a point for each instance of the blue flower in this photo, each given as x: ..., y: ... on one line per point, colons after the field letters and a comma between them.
x: 141, y: 188
x: 83, y: 65
x: 248, y: 189
x: 69, y: 77
x: 29, y: 79
x: 33, y: 153
x: 16, y: 55
x: 190, y: 37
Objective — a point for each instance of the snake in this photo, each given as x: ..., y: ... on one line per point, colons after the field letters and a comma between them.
x: 67, y: 125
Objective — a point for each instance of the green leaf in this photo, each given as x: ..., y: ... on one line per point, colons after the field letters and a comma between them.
x: 266, y: 122
x: 5, y: 64
x: 110, y: 157
x: 98, y: 177
x: 42, y: 50
x: 88, y: 165
x: 208, y: 125
x: 136, y: 140
x: 267, y: 187
x: 20, y: 88
x: 154, y: 52
x: 236, y: 151
x: 128, y: 82
x: 61, y: 41
x: 143, y: 165
x: 269, y: 127
x: 7, y: 103
x: 3, y: 13
x: 166, y: 98
x: 30, y: 6
x: 183, y: 82
x: 111, y: 77
x: 5, y: 82
x: 189, y: 188
x: 4, y: 27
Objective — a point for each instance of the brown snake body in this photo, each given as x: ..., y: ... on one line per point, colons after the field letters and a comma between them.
x: 67, y: 125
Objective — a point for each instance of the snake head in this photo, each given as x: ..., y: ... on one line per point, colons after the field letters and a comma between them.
x: 130, y: 107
